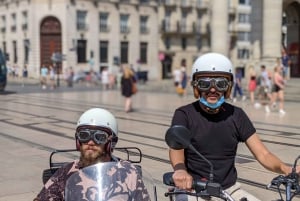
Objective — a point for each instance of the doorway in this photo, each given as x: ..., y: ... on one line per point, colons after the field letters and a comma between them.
x: 50, y: 40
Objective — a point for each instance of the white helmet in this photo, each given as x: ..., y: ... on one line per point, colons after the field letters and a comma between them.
x: 212, y: 63
x: 99, y: 117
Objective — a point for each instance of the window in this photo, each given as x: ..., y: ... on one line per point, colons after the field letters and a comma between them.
x: 26, y: 50
x: 143, y: 24
x: 124, y: 52
x: 4, y: 46
x: 244, y: 36
x: 25, y: 20
x: 103, y: 22
x: 14, y: 22
x: 243, y: 53
x: 244, y: 18
x: 183, y: 43
x: 143, y: 52
x: 245, y: 2
x: 124, y: 23
x: 183, y: 22
x: 81, y: 51
x: 81, y: 20
x: 167, y: 43
x: 3, y: 23
x: 103, y: 51
x: 144, y: 1
x: 15, y: 51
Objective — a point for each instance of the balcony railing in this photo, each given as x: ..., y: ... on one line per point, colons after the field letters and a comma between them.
x: 24, y: 27
x: 144, y: 30
x: 13, y: 28
x: 82, y: 27
x: 104, y: 28
x: 124, y: 29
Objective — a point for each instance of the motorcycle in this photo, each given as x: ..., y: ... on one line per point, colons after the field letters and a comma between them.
x: 109, y: 181
x: 179, y: 137
x: 290, y: 182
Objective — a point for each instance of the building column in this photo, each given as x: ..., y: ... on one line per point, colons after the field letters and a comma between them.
x: 219, y: 26
x: 272, y: 20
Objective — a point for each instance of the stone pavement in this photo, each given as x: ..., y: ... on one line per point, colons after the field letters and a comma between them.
x: 292, y: 90
x: 27, y: 120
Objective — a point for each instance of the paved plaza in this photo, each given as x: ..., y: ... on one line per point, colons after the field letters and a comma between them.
x: 34, y: 122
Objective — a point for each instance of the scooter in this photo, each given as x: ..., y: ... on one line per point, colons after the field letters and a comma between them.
x: 179, y: 137
x: 107, y: 181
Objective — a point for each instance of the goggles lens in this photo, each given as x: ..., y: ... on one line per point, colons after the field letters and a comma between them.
x: 98, y: 136
x: 220, y: 83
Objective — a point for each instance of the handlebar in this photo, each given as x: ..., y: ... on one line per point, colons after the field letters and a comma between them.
x: 290, y: 183
x: 203, y: 189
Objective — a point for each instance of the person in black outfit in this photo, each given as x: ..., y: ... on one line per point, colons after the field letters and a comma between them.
x: 217, y: 128
x: 127, y: 80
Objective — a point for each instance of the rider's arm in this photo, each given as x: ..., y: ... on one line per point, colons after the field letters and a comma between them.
x: 265, y: 157
x: 54, y: 188
x: 181, y: 178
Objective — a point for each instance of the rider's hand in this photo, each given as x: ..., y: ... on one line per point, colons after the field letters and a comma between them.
x: 183, y: 179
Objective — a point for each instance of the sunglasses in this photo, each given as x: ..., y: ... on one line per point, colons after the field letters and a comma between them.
x: 98, y: 136
x: 205, y: 83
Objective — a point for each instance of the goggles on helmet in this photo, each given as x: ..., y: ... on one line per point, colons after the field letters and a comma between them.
x: 205, y: 83
x: 98, y: 136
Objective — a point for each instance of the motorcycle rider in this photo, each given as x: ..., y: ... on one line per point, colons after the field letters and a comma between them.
x: 96, y: 136
x: 217, y: 128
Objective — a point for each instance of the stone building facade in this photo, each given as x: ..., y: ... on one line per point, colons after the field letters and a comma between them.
x: 150, y: 35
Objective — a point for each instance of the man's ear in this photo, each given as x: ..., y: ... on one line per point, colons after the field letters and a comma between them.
x: 196, y: 92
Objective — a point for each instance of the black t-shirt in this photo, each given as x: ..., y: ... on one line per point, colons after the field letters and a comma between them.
x: 216, y: 136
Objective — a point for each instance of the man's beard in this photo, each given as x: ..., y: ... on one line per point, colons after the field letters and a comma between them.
x: 88, y: 158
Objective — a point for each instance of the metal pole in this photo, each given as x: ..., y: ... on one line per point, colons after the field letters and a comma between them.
x: 57, y: 73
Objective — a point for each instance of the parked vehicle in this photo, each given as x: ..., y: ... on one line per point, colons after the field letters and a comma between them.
x: 3, y: 71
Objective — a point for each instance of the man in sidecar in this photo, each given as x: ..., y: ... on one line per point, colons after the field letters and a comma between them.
x: 96, y: 136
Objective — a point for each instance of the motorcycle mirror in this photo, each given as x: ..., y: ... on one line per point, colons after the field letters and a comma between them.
x: 178, y: 137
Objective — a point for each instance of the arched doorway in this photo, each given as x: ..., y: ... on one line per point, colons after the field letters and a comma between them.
x: 50, y: 37
x: 292, y: 23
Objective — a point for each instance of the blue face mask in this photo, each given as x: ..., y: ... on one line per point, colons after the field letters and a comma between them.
x: 212, y: 106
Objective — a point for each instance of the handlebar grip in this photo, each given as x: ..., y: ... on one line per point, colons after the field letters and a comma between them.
x: 167, y: 179
x: 197, y: 184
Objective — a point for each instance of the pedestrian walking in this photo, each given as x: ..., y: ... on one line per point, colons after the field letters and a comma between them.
x: 184, y: 78
x: 278, y: 89
x: 285, y: 61
x: 252, y: 84
x: 44, y: 75
x: 24, y: 74
x: 52, y: 77
x: 127, y: 82
x: 238, y: 85
x: 105, y: 78
x: 264, y: 88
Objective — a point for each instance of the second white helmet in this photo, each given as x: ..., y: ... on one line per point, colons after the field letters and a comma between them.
x: 212, y: 63
x: 100, y: 118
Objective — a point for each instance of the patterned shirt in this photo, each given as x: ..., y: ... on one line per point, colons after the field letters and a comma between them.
x: 125, y: 184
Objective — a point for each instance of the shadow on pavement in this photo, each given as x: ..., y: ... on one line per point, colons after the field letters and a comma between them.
x: 7, y: 92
